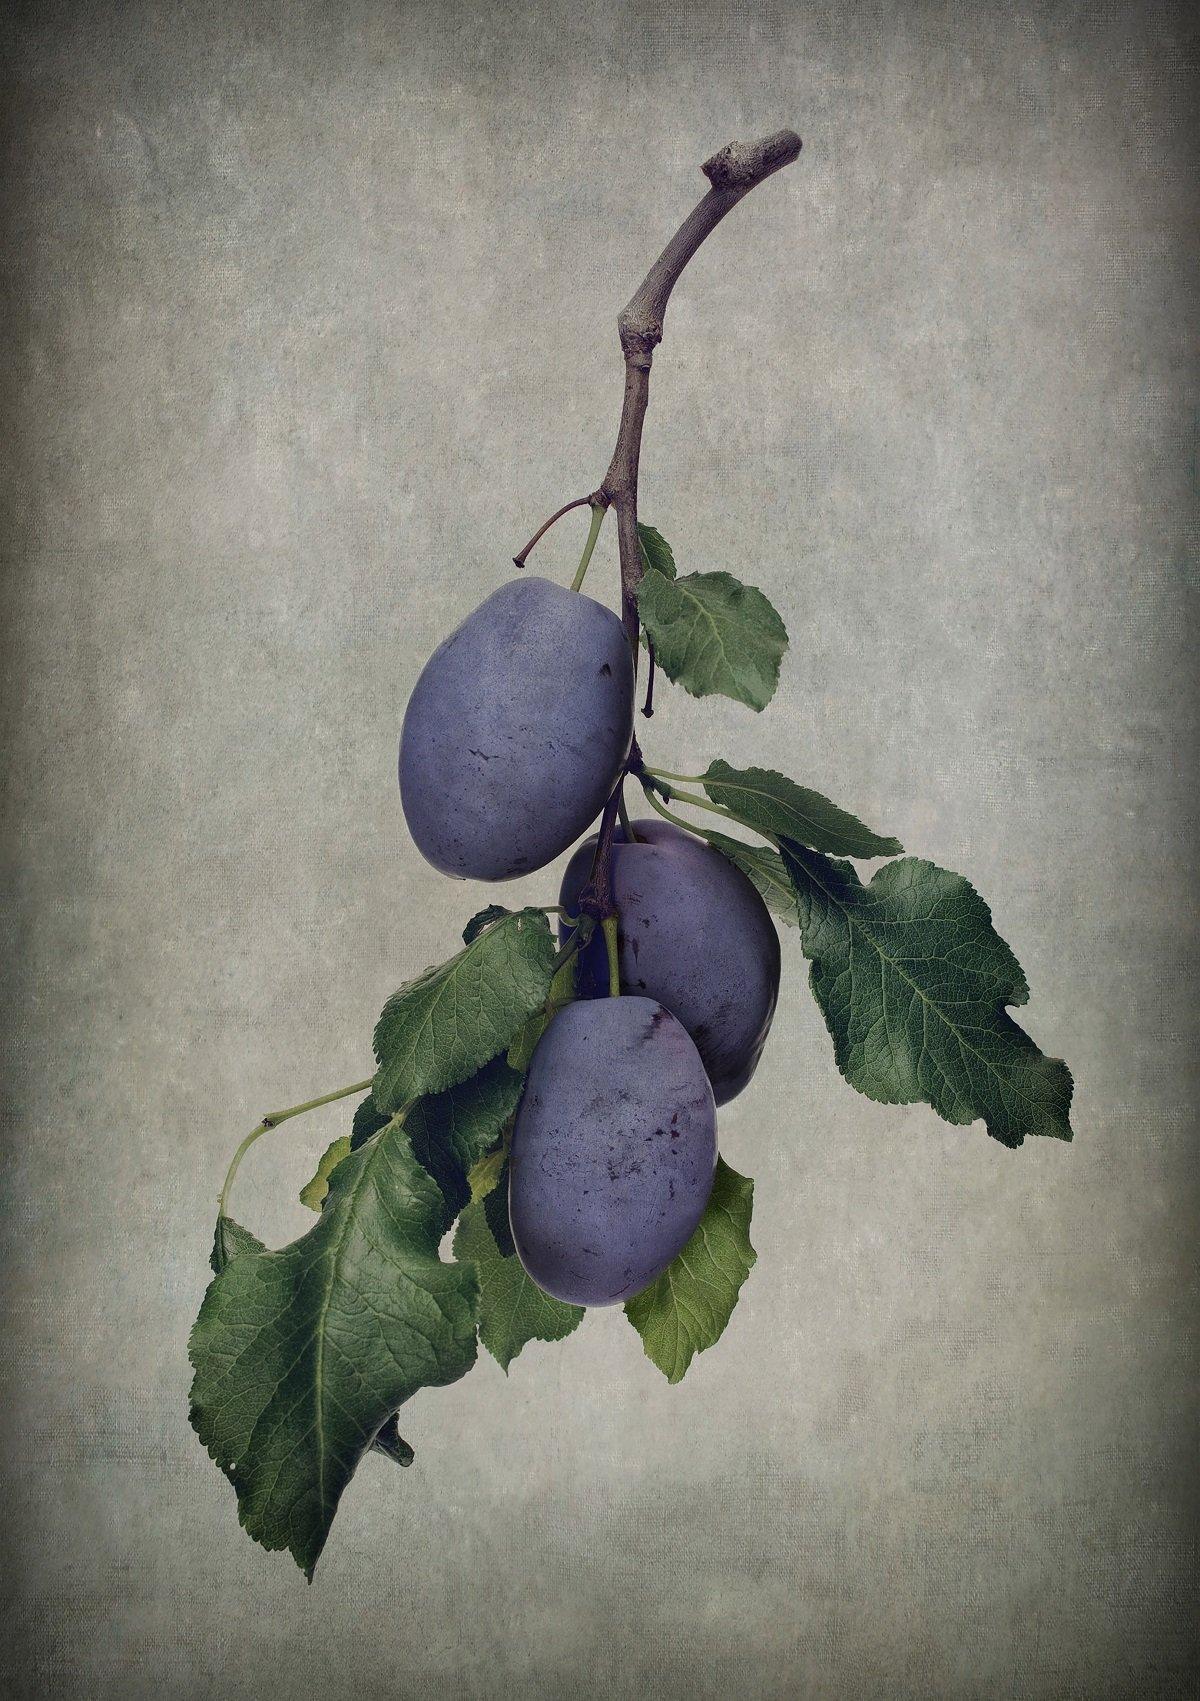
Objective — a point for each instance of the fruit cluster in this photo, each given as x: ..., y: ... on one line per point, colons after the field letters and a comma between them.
x: 517, y: 733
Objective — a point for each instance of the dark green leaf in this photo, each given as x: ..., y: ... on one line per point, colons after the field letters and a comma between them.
x: 656, y: 552
x: 451, y: 1131
x: 912, y: 980
x: 714, y: 635
x: 512, y: 1309
x: 230, y: 1241
x: 764, y: 868
x: 390, y: 1442
x: 772, y: 804
x: 367, y: 1121
x: 495, y: 1209
x: 686, y: 1309
x: 301, y: 1355
x: 313, y: 1192
x: 453, y: 1019
x: 483, y: 919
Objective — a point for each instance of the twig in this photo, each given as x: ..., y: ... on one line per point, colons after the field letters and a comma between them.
x: 732, y: 173
x: 594, y: 498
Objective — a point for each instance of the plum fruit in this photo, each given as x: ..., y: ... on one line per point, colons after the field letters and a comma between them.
x: 613, y: 1150
x: 516, y: 731
x: 696, y: 936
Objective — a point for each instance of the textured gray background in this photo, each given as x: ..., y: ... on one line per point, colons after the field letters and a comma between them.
x: 310, y: 320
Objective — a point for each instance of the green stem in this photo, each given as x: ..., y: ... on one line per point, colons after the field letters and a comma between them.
x: 631, y: 837
x: 666, y: 774
x: 272, y: 1120
x: 700, y: 803
x: 598, y: 513
x: 668, y: 815
x: 609, y: 924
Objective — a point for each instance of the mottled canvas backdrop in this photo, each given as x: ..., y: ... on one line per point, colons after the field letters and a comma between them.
x: 309, y: 320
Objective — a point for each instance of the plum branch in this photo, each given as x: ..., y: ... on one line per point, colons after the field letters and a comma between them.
x: 732, y: 173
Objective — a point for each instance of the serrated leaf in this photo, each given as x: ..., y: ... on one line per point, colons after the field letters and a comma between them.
x: 484, y: 918
x: 764, y: 869
x: 562, y: 992
x: 714, y: 635
x: 512, y: 1309
x: 686, y: 1309
x: 770, y: 803
x: 230, y: 1240
x: 657, y: 555
x: 450, y: 1021
x: 913, y: 980
x: 301, y: 1355
x: 313, y: 1192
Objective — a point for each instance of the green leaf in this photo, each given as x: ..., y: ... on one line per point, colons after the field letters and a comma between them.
x: 714, y: 635
x: 313, y: 1192
x: 513, y: 1310
x: 764, y: 868
x: 772, y: 804
x: 390, y: 1441
x: 485, y: 1175
x: 483, y: 919
x: 686, y: 1309
x: 446, y: 1024
x: 230, y: 1241
x: 451, y: 1131
x: 656, y: 552
x: 562, y: 991
x: 912, y: 980
x: 367, y: 1121
x: 301, y: 1355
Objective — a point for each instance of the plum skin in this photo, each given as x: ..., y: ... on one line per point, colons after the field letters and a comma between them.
x: 516, y: 731
x: 696, y: 936
x: 614, y: 1150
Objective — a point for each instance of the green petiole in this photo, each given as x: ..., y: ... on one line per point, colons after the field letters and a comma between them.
x: 609, y: 924
x: 272, y: 1120
x: 598, y: 514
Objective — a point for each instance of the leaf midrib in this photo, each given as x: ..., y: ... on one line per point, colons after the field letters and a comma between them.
x: 681, y: 586
x: 335, y: 1257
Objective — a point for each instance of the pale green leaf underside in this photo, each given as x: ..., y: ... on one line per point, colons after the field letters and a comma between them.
x: 440, y: 1028
x: 714, y: 635
x: 770, y: 803
x: 657, y: 554
x: 313, y: 1192
x: 513, y: 1310
x: 300, y: 1355
x: 913, y: 980
x: 686, y: 1309
x: 764, y: 869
